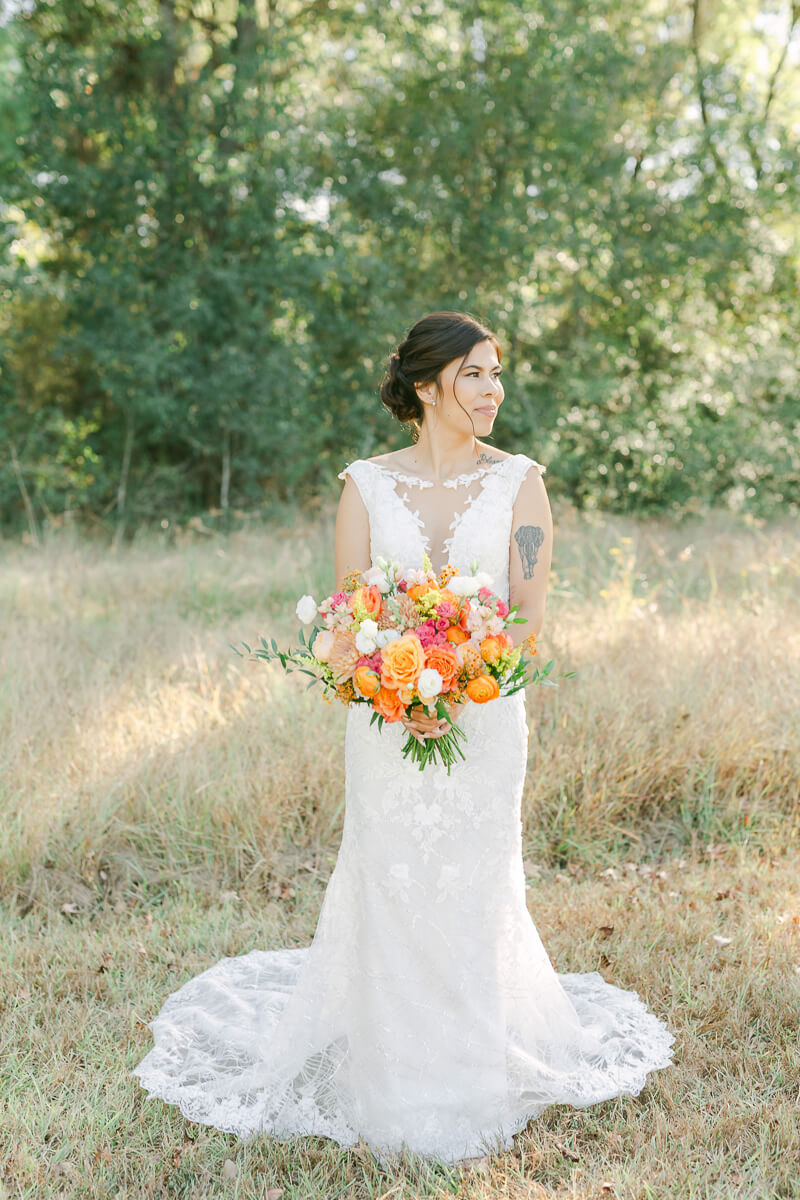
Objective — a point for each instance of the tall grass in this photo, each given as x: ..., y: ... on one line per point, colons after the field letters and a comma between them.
x: 135, y: 747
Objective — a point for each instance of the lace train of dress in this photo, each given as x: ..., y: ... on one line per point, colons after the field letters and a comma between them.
x: 426, y: 1013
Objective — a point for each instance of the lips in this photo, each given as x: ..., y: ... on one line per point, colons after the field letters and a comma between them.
x: 490, y: 411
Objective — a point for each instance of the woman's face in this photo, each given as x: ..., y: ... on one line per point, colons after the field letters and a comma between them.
x: 475, y: 386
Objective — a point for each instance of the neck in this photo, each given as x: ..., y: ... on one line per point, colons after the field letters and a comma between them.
x: 439, y: 454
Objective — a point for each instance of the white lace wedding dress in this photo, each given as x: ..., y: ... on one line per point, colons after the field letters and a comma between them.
x: 426, y: 1012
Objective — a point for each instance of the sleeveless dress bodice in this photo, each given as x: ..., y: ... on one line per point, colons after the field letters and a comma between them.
x: 482, y: 504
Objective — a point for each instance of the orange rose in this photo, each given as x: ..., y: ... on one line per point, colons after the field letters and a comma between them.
x: 456, y: 635
x: 440, y: 659
x: 369, y: 598
x: 483, y: 688
x: 389, y: 704
x: 465, y: 611
x: 403, y: 660
x: 421, y: 589
x: 367, y: 682
x: 494, y: 645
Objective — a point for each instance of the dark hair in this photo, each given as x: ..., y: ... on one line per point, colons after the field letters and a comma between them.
x: 430, y: 345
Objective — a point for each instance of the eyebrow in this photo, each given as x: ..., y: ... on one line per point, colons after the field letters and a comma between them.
x: 476, y: 367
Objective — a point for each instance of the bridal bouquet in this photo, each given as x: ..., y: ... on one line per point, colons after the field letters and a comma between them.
x: 397, y: 640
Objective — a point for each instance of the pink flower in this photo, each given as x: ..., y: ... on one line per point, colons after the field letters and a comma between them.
x: 427, y: 633
x: 442, y: 624
x: 485, y: 593
x: 502, y: 608
x: 446, y: 610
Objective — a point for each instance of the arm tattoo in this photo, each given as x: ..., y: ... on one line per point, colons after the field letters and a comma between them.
x: 529, y: 539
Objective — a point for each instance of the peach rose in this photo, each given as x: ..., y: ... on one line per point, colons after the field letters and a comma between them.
x: 495, y: 645
x: 369, y: 598
x: 483, y: 688
x: 323, y: 644
x: 367, y: 682
x: 456, y: 635
x: 389, y: 704
x: 439, y: 658
x: 403, y: 660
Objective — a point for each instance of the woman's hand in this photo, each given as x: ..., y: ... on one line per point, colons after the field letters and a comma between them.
x: 422, y: 725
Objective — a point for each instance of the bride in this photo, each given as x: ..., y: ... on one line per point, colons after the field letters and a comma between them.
x: 425, y: 1014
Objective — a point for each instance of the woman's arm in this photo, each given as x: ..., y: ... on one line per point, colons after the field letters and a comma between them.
x: 352, y: 546
x: 531, y: 553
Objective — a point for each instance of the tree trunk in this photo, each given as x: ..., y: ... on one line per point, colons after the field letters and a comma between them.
x: 26, y: 500
x: 122, y: 488
x: 225, y: 484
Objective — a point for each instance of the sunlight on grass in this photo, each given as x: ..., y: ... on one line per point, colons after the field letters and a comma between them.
x: 165, y: 803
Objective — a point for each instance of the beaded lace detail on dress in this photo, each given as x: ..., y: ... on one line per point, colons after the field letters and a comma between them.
x: 426, y: 1012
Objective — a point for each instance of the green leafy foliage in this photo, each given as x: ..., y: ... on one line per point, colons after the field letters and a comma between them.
x: 219, y: 218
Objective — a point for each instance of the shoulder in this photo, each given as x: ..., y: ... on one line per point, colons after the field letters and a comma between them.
x: 393, y: 460
x: 526, y: 485
x: 520, y: 470
x: 518, y: 463
x: 355, y: 469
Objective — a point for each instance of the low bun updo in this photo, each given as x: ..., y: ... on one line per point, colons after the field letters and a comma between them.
x: 398, y: 393
x: 436, y: 340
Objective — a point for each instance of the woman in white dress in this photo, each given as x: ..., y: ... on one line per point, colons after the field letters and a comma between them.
x: 426, y: 1014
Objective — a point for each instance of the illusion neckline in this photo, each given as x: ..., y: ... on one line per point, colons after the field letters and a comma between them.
x: 456, y: 481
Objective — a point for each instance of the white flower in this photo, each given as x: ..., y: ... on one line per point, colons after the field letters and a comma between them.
x: 369, y: 627
x: 386, y: 635
x: 483, y: 579
x: 416, y: 576
x: 365, y: 644
x: 306, y: 609
x: 463, y: 585
x: 429, y: 683
x: 377, y: 576
x: 394, y: 570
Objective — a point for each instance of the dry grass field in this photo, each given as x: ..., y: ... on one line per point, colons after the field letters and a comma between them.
x: 164, y: 803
